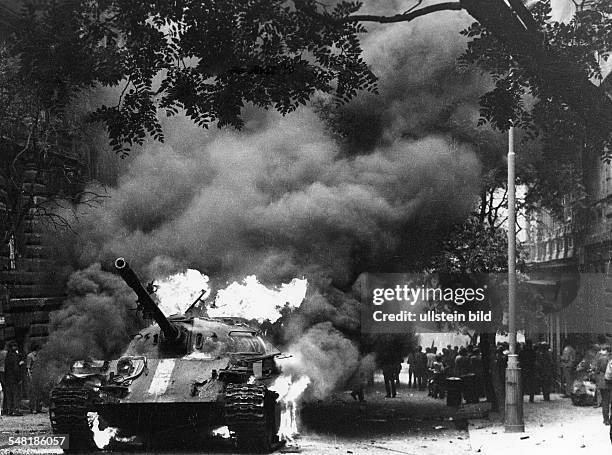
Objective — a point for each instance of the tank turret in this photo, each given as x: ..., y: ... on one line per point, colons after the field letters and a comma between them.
x: 171, y: 332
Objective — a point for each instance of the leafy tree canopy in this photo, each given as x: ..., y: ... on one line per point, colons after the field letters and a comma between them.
x: 548, y: 83
x: 209, y: 58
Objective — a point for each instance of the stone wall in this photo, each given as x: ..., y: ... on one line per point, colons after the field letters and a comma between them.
x: 29, y: 288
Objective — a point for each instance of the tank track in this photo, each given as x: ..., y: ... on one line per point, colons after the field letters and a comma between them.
x: 250, y: 414
x: 68, y: 415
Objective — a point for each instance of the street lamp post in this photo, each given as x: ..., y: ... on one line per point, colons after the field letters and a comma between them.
x: 514, y: 396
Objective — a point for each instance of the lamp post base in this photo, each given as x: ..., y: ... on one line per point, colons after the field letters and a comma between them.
x: 514, y: 422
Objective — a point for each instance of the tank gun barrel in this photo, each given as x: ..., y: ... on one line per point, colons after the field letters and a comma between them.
x: 170, y: 331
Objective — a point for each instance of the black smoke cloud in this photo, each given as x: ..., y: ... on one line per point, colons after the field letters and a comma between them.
x: 278, y: 202
x: 424, y: 90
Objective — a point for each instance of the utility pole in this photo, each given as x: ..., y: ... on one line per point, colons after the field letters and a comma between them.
x: 514, y: 395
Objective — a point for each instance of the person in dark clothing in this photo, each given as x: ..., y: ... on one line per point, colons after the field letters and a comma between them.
x: 359, y: 382
x: 389, y: 370
x: 601, y: 363
x: 568, y: 364
x: 477, y: 368
x: 412, y: 359
x: 32, y: 386
x: 544, y: 370
x: 421, y: 368
x: 398, y: 369
x: 452, y: 355
x: 501, y: 359
x: 527, y: 361
x: 462, y: 363
x: 12, y: 377
x: 438, y: 388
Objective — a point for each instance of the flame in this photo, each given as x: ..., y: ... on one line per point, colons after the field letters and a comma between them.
x: 177, y: 292
x: 222, y: 432
x: 289, y: 392
x: 252, y: 300
x: 102, y: 438
x: 249, y: 299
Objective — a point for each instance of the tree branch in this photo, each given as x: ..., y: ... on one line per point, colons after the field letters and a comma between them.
x: 406, y: 17
x: 418, y: 3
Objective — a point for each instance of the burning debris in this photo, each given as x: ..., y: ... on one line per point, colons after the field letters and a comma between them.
x: 222, y: 432
x: 289, y: 392
x: 102, y: 438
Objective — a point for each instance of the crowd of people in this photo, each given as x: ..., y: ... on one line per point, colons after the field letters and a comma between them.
x: 16, y: 378
x: 430, y: 368
x: 537, y: 367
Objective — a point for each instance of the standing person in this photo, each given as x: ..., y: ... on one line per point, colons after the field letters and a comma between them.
x: 359, y: 382
x: 501, y: 360
x: 431, y: 357
x: 452, y: 355
x: 601, y: 364
x: 438, y: 386
x: 601, y: 348
x: 398, y: 369
x: 544, y: 369
x: 421, y: 368
x: 477, y: 368
x: 568, y: 363
x: 389, y: 369
x: 462, y: 363
x: 411, y: 368
x: 33, y: 393
x: 3, y: 353
x: 527, y: 360
x: 12, y: 377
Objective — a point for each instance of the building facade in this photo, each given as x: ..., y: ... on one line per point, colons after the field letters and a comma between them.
x: 566, y: 252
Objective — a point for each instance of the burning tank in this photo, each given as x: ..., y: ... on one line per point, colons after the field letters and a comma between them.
x: 178, y: 380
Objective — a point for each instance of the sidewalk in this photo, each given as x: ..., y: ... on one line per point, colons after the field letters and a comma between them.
x: 556, y: 427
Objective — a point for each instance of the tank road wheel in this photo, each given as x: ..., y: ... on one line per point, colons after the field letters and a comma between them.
x: 253, y: 414
x: 68, y: 414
